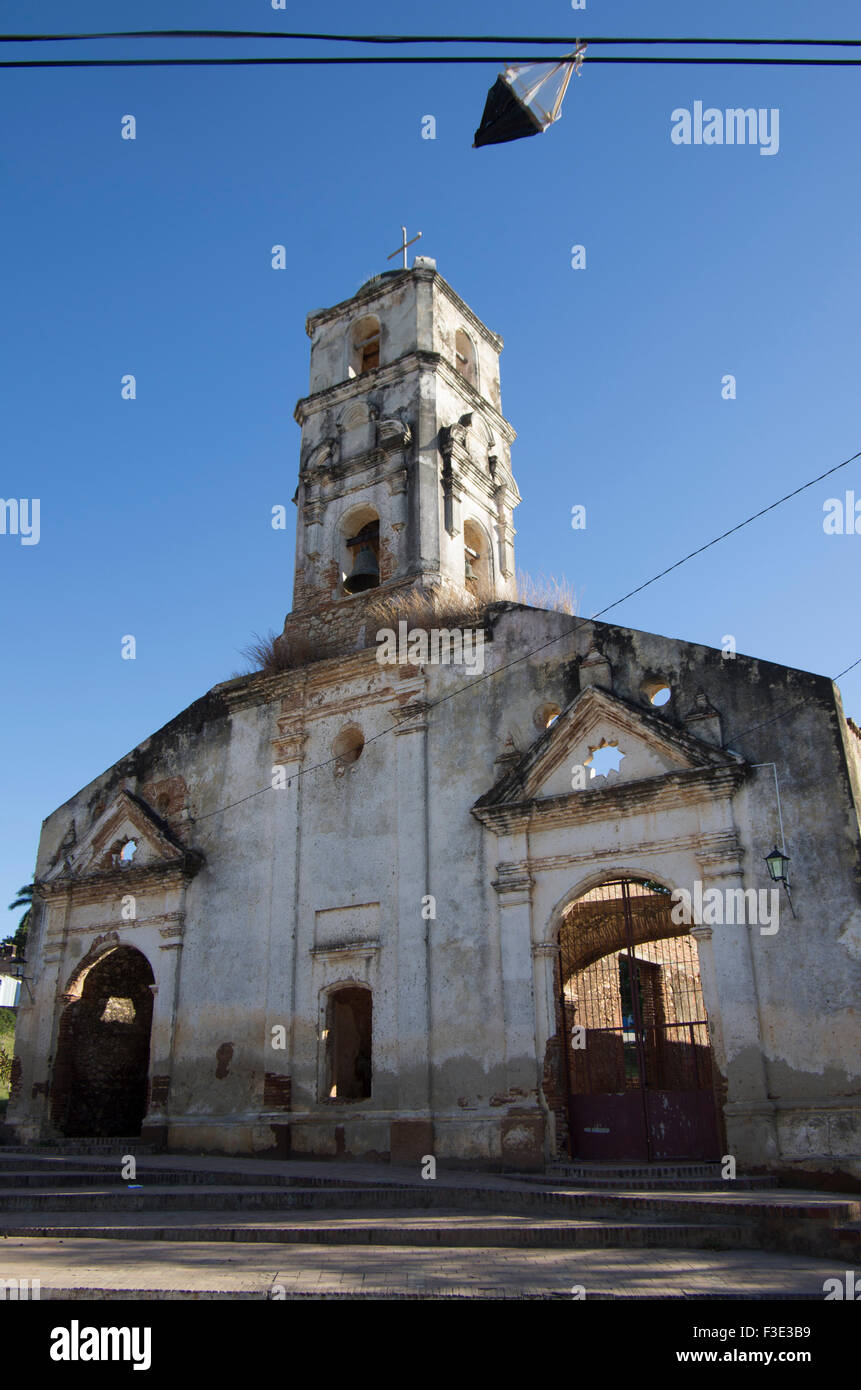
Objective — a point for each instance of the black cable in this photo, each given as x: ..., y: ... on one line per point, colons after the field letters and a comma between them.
x: 731, y: 531
x: 789, y: 708
x: 506, y: 60
x: 405, y: 38
x: 578, y: 622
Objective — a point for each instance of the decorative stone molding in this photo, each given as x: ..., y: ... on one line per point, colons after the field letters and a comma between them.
x: 703, y: 721
x: 595, y: 669
x: 654, y: 795
x: 452, y: 447
x: 158, y: 919
x: 397, y: 484
x: 506, y: 498
x: 392, y: 436
x: 509, y: 756
x: 313, y: 513
x: 513, y: 881
x: 631, y: 850
x: 114, y: 884
x: 697, y: 770
x: 91, y: 874
x: 289, y: 748
x: 321, y: 456
x: 410, y: 717
x: 365, y: 950
x: 701, y: 933
x: 722, y: 858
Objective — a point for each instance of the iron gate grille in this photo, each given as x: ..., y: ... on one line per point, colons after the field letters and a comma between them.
x: 639, y: 1067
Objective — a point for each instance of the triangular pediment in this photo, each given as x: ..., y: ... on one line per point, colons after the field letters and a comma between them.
x: 127, y: 835
x: 594, y: 720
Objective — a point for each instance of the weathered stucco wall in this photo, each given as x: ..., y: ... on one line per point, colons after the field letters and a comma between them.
x: 322, y: 883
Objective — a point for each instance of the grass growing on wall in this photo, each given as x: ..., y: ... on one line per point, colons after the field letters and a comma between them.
x: 421, y: 608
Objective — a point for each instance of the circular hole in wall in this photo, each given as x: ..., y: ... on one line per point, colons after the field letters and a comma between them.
x: 657, y: 692
x: 348, y: 745
x: 546, y: 715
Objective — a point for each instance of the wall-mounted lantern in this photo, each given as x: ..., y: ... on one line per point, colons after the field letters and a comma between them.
x: 778, y: 868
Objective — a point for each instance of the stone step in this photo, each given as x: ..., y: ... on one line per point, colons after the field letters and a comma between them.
x: 642, y: 1183
x: 152, y: 1196
x: 83, y: 1146
x: 688, y: 1168
x: 649, y: 1177
x: 683, y: 1176
x: 53, y: 1171
x: 13, y: 1177
x: 250, y: 1191
x: 848, y: 1238
x: 407, y: 1228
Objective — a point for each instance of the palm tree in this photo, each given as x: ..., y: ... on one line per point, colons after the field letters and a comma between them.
x: 24, y: 899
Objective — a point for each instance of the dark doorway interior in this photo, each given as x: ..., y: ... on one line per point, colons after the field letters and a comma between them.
x: 100, y: 1076
x: 349, y: 1043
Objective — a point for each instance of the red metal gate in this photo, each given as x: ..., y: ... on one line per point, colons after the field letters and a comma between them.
x: 638, y: 1060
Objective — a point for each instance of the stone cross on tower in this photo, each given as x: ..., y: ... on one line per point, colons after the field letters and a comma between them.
x: 403, y: 247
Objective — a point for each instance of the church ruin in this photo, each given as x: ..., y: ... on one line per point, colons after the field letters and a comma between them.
x: 350, y: 906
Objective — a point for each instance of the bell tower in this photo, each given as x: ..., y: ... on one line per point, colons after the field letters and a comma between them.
x: 405, y: 474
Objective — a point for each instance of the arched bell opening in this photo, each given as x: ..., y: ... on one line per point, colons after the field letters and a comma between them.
x: 360, y: 551
x: 465, y: 357
x: 638, y: 1065
x: 477, y: 567
x: 99, y: 1085
x: 363, y: 346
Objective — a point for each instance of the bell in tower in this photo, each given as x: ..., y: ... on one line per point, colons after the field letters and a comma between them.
x: 365, y: 573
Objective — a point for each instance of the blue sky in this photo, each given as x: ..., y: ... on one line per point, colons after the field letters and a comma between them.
x: 152, y: 257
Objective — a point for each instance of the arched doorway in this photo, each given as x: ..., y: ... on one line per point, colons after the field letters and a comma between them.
x: 100, y: 1075
x: 638, y: 1061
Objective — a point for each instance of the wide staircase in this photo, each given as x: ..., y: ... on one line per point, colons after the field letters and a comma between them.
x: 76, y: 1190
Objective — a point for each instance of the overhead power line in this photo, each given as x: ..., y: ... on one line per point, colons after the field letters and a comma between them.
x: 779, y: 503
x: 754, y: 728
x: 579, y: 622
x: 428, y: 60
x: 431, y: 59
x: 410, y: 38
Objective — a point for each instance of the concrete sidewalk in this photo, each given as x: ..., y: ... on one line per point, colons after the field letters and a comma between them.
x: 97, y: 1269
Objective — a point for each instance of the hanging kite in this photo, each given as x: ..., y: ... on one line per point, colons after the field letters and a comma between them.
x: 526, y: 100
